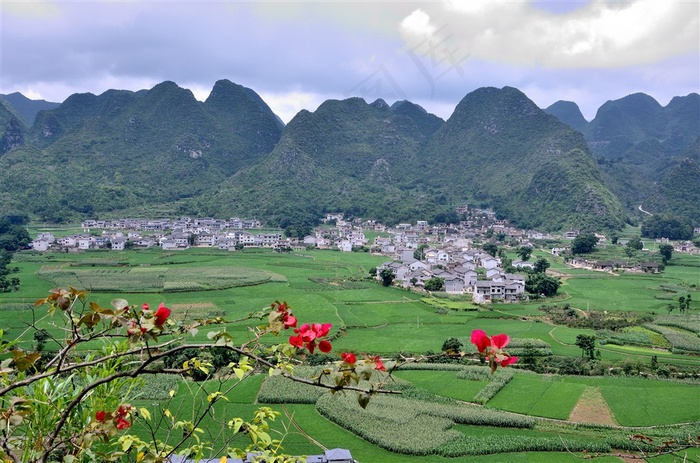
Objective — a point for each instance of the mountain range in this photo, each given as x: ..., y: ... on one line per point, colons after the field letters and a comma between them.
x: 162, y: 152
x: 648, y: 153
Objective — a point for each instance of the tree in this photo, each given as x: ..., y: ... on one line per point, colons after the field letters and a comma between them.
x: 584, y: 243
x: 419, y: 253
x: 387, y: 275
x: 541, y: 265
x: 491, y: 248
x: 452, y: 346
x: 633, y: 245
x: 684, y: 303
x: 587, y: 345
x: 662, y: 226
x: 541, y: 284
x: 666, y: 251
x: 614, y: 237
x: 435, y: 284
x: 524, y: 252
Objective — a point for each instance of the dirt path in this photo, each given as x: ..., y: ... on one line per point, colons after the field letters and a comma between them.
x: 592, y: 408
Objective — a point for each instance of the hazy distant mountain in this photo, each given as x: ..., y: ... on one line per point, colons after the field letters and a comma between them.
x: 27, y: 108
x: 569, y: 113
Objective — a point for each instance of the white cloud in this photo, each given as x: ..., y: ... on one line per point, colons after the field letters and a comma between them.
x: 600, y: 34
x: 418, y: 23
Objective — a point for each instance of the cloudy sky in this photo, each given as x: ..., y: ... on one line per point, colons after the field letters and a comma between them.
x: 298, y: 54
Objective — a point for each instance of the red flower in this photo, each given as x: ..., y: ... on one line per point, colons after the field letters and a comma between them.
x: 100, y: 416
x: 289, y: 320
x: 349, y: 358
x: 161, y: 315
x: 307, y: 335
x: 296, y: 341
x: 123, y: 424
x: 480, y: 340
x: 499, y: 341
x: 145, y: 307
x: 492, y: 348
x: 378, y: 365
x: 325, y: 346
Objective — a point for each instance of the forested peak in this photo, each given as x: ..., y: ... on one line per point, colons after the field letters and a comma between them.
x: 233, y: 100
x: 27, y: 108
x: 691, y: 100
x: 169, y: 89
x: 569, y: 113
x: 636, y: 105
x: 508, y: 102
x: 428, y: 123
x: 380, y: 104
x: 348, y: 105
x: 7, y: 112
x: 226, y: 94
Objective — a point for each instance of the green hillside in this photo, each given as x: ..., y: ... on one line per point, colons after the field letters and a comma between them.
x: 121, y: 149
x: 162, y: 152
x: 499, y: 148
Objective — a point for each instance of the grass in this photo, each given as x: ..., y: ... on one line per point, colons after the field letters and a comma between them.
x: 443, y: 383
x: 633, y: 401
x: 529, y: 395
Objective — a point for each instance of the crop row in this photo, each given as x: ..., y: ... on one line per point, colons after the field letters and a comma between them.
x: 687, y: 322
x: 681, y: 341
x: 432, y: 366
x: 411, y: 426
x: 146, y: 279
x: 475, y: 373
x: 621, y: 338
x: 281, y: 390
x: 498, y: 382
x: 485, y: 445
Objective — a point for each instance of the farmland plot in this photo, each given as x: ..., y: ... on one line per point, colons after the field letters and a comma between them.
x: 157, y: 278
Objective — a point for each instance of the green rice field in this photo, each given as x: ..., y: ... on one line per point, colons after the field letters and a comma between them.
x: 328, y: 286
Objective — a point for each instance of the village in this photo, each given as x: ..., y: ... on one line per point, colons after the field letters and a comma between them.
x: 416, y: 253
